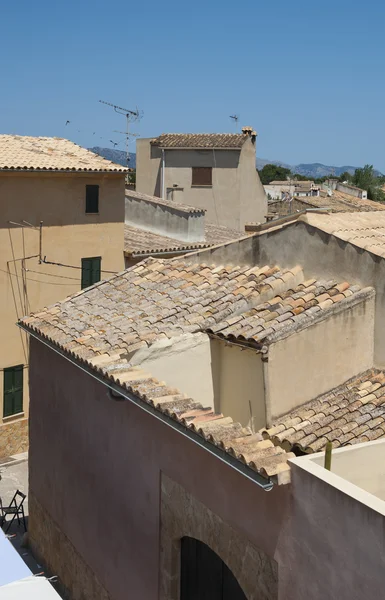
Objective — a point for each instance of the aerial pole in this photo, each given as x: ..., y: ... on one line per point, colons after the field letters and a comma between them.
x: 235, y: 119
x: 131, y: 115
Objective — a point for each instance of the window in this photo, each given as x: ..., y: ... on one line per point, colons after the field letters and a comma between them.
x: 13, y: 391
x: 90, y: 271
x: 92, y: 199
x: 202, y: 176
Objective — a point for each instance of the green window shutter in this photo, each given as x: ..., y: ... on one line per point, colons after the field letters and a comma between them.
x: 91, y: 270
x: 92, y: 198
x: 13, y: 391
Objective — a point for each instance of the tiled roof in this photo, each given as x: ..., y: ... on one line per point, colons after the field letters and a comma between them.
x: 156, y: 299
x: 26, y: 153
x: 363, y: 229
x: 352, y: 413
x: 159, y: 201
x: 290, y: 312
x: 139, y: 241
x: 200, y: 140
x: 341, y: 202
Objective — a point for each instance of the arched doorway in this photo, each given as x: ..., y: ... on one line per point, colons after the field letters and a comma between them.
x: 204, y: 576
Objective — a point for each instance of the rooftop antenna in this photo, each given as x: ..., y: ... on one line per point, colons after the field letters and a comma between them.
x: 131, y: 116
x: 235, y: 119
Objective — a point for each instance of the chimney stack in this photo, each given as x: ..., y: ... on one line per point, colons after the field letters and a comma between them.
x: 250, y: 132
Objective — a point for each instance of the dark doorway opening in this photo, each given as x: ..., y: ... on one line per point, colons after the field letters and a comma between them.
x: 204, y: 576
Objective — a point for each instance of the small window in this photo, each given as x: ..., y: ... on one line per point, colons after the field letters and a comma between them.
x: 90, y: 271
x: 92, y: 199
x: 202, y: 176
x: 13, y: 391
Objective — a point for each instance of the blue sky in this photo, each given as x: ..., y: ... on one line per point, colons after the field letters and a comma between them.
x: 309, y: 76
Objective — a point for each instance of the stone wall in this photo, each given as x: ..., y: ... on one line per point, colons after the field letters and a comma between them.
x: 183, y: 515
x: 77, y: 581
x: 13, y: 437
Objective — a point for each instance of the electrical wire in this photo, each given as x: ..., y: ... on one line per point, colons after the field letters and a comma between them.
x: 36, y: 280
x: 48, y: 262
x: 52, y: 275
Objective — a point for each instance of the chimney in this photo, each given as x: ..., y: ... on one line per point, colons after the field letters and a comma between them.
x: 250, y: 132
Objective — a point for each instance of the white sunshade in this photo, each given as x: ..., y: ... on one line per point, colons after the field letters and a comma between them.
x: 31, y: 588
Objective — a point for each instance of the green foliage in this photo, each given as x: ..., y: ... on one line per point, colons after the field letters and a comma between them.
x: 273, y: 173
x: 345, y: 176
x: 366, y: 179
x: 131, y: 176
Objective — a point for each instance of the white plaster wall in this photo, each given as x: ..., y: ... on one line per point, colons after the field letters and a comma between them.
x: 238, y: 384
x: 164, y: 220
x: 319, y: 358
x: 362, y: 465
x: 252, y: 197
x: 183, y: 362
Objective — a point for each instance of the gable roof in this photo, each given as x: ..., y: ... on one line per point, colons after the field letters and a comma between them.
x: 351, y: 413
x: 138, y: 241
x: 26, y: 153
x: 341, y: 202
x: 363, y: 229
x: 201, y: 140
x: 290, y: 312
x: 153, y: 300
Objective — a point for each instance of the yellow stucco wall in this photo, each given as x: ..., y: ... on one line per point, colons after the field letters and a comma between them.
x: 69, y: 235
x: 238, y: 383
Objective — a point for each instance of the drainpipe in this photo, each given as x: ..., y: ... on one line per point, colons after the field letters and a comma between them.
x: 163, y: 174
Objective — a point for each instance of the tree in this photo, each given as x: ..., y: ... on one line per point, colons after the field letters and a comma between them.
x: 345, y: 176
x: 366, y: 179
x: 273, y: 173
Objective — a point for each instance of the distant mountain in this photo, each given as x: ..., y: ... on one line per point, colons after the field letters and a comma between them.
x: 312, y: 170
x: 117, y: 156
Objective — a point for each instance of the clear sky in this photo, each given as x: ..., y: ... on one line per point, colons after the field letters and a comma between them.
x: 307, y: 75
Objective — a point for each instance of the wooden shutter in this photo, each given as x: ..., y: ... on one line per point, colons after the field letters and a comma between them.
x: 202, y: 176
x: 90, y: 271
x: 92, y: 198
x: 13, y: 391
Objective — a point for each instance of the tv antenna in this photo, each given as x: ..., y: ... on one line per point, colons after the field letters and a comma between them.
x: 131, y: 116
x: 235, y: 119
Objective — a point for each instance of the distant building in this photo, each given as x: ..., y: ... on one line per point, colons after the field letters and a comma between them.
x: 216, y: 172
x: 62, y: 223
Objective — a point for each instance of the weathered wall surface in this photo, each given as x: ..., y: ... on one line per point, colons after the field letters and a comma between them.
x: 332, y: 545
x: 253, y: 200
x: 238, y: 384
x: 319, y: 358
x: 166, y: 220
x: 13, y: 437
x: 148, y: 168
x: 51, y: 547
x: 69, y: 235
x: 353, y: 191
x: 87, y: 451
x: 183, y: 515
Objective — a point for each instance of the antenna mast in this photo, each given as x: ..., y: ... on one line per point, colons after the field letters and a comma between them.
x: 131, y: 116
x: 235, y: 119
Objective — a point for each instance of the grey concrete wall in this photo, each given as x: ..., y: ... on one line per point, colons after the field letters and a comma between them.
x: 148, y: 168
x: 353, y: 191
x: 253, y: 200
x: 332, y: 545
x: 95, y: 467
x: 165, y: 220
x: 321, y: 255
x: 319, y: 358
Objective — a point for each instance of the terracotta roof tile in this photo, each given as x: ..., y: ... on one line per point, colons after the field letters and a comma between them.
x: 139, y: 241
x: 26, y: 153
x: 342, y: 415
x: 201, y: 140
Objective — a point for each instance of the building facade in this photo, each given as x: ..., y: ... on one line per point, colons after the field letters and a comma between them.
x: 216, y: 172
x: 62, y: 228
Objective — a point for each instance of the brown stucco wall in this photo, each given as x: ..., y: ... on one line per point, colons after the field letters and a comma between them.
x: 69, y: 235
x: 95, y: 467
x: 332, y: 544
